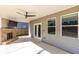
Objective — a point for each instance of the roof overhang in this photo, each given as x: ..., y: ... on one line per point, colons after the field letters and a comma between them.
x: 9, y: 11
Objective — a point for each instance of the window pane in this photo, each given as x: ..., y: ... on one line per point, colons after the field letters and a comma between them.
x: 51, y: 30
x: 39, y: 30
x: 35, y: 30
x: 70, y: 31
x: 51, y: 23
x: 70, y: 19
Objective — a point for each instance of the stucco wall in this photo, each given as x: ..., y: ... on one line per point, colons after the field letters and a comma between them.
x: 67, y: 43
x: 4, y: 22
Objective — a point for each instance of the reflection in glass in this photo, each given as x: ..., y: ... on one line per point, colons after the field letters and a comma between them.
x: 70, y: 19
x: 39, y: 30
x: 51, y: 26
x: 51, y: 30
x: 70, y: 25
x: 51, y: 23
x: 70, y: 31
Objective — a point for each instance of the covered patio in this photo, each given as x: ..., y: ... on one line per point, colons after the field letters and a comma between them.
x: 27, y: 45
x: 45, y: 26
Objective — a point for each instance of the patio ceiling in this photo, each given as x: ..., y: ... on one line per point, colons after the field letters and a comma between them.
x: 9, y: 11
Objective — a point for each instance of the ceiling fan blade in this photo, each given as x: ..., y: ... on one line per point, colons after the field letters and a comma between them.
x: 25, y: 11
x: 20, y: 13
x: 30, y: 15
x: 31, y: 12
x: 22, y: 10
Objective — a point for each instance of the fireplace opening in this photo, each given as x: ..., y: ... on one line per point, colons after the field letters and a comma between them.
x: 9, y: 35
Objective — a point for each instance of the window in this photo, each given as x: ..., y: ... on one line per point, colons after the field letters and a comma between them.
x: 51, y: 26
x: 22, y: 25
x: 70, y: 25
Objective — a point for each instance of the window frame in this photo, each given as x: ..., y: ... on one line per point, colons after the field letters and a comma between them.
x: 50, y: 19
x: 61, y: 26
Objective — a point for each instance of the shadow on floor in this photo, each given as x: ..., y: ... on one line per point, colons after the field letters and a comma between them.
x: 49, y: 48
x: 43, y: 45
x: 23, y: 39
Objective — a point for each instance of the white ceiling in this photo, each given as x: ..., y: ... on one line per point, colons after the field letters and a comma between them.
x: 9, y: 11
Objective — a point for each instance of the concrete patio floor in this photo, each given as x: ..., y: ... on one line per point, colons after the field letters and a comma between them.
x: 26, y: 45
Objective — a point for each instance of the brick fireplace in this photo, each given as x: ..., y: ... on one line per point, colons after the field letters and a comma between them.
x: 7, y: 35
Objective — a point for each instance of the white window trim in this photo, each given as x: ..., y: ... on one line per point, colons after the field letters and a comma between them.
x: 65, y: 25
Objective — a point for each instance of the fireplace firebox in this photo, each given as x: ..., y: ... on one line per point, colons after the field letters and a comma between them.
x: 9, y: 36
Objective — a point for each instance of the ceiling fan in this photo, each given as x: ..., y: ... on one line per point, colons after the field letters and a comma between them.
x: 26, y: 13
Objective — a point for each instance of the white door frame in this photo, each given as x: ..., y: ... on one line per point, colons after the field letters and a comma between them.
x: 37, y: 31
